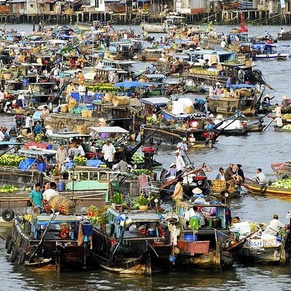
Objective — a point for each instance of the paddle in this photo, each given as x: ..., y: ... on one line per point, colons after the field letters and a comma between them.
x: 268, y: 124
x: 240, y: 242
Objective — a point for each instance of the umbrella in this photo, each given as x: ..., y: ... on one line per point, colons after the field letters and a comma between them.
x: 129, y: 84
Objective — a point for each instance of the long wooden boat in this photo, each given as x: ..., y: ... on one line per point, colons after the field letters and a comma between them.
x: 56, y: 240
x: 205, y: 248
x: 255, y: 188
x: 127, y: 246
x: 242, y: 100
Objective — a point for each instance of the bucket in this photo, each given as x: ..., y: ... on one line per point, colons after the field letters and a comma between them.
x: 151, y: 232
x: 190, y: 237
x: 41, y: 166
x: 215, y: 222
x: 61, y: 186
x: 64, y: 108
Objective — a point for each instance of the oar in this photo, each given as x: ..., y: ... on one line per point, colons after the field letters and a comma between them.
x: 268, y: 124
x: 240, y: 242
x: 53, y: 216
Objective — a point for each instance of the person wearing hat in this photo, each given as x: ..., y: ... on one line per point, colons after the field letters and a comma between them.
x: 178, y: 193
x: 182, y: 148
x: 180, y: 164
x: 171, y: 173
x: 267, y: 101
x: 274, y: 226
x: 198, y: 196
x: 285, y: 101
x: 108, y: 151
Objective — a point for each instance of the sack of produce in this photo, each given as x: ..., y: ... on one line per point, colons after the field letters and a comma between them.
x: 62, y: 204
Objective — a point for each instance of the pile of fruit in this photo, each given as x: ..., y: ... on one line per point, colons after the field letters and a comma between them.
x: 10, y: 160
x: 284, y: 183
x: 8, y: 189
x: 287, y: 127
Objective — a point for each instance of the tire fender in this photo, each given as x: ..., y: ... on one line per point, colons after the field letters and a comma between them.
x: 7, y: 241
x: 7, y: 215
x: 10, y: 246
x: 13, y: 254
x: 21, y: 257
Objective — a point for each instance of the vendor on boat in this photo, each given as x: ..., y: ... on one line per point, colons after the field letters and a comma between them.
x: 48, y: 194
x: 182, y: 148
x: 220, y: 175
x: 36, y: 197
x: 180, y: 164
x: 278, y: 115
x: 171, y: 173
x: 178, y: 193
x: 274, y: 226
x: 229, y: 173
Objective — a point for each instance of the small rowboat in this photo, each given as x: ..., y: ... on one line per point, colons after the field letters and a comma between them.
x: 255, y: 188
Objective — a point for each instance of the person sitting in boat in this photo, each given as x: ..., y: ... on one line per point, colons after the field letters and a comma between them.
x: 121, y: 166
x: 37, y: 129
x: 282, y: 30
x: 36, y: 197
x: 171, y: 173
x: 267, y: 101
x: 220, y: 175
x: 260, y: 177
x: 198, y: 196
x: 239, y: 174
x: 274, y: 226
x: 285, y: 101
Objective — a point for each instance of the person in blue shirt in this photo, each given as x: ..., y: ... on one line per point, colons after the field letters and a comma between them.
x: 36, y: 197
x: 38, y: 128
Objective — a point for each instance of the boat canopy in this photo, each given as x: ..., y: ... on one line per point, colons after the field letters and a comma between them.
x: 239, y: 86
x: 108, y: 129
x: 157, y: 101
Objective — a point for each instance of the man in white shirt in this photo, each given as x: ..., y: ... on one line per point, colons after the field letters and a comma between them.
x: 108, y: 150
x: 49, y: 193
x: 82, y: 92
x: 274, y: 226
x: 182, y: 148
x: 180, y: 164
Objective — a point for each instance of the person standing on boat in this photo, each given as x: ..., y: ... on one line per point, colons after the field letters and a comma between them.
x: 82, y: 92
x: 278, y: 115
x: 36, y: 197
x: 28, y: 122
x: 80, y: 149
x: 178, y: 193
x: 180, y: 164
x: 182, y: 148
x: 61, y: 156
x: 49, y: 193
x: 274, y: 226
x: 108, y: 151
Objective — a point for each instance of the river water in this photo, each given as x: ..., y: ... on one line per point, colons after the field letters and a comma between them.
x: 252, y: 151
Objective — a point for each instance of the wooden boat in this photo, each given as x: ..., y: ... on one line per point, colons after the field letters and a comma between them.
x: 128, y: 247
x: 284, y: 35
x: 181, y: 120
x: 171, y: 22
x: 54, y: 239
x: 242, y: 100
x: 256, y: 247
x: 255, y: 188
x: 205, y: 248
x: 274, y: 51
